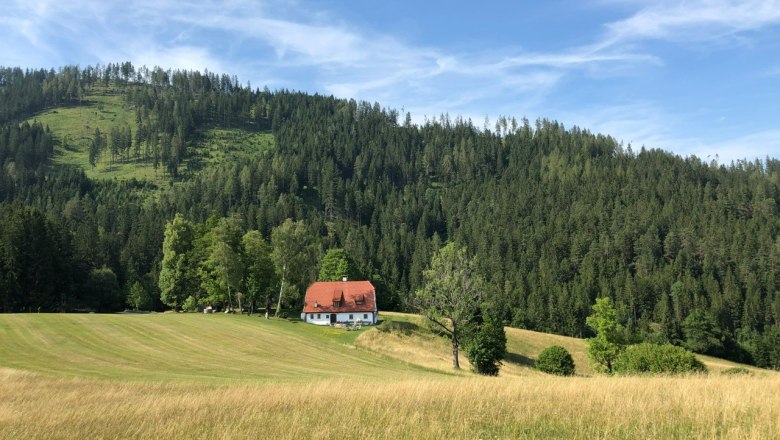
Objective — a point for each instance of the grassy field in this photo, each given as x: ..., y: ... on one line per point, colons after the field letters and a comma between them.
x: 186, y: 348
x: 225, y: 376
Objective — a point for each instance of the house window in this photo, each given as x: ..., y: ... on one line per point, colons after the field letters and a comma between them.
x: 358, y: 301
x: 365, y: 315
x: 318, y: 316
x: 336, y: 303
x: 350, y: 317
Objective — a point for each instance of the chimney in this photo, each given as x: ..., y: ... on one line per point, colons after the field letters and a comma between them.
x: 344, y: 278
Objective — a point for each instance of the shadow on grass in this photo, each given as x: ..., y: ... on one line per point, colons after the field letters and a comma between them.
x: 519, y: 359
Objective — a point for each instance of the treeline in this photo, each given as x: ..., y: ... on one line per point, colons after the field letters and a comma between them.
x: 555, y: 217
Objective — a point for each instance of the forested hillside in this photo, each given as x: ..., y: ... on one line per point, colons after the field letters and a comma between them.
x: 555, y: 217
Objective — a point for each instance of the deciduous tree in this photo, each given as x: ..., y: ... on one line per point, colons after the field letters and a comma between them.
x: 294, y: 254
x: 177, y: 273
x: 337, y: 264
x: 451, y: 293
x: 260, y: 276
x: 604, y: 348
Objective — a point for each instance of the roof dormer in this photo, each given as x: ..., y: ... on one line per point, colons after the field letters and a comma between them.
x: 338, y: 300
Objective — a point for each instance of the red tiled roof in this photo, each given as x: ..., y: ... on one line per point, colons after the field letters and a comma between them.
x: 321, y: 295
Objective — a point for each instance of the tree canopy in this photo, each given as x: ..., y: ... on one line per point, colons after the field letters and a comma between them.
x: 337, y: 264
x: 451, y: 294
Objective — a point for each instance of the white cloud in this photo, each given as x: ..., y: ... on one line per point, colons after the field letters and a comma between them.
x: 697, y: 20
x: 584, y: 56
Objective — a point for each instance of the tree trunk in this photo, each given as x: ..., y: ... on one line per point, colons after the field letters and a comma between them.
x: 455, y: 360
x: 281, y: 288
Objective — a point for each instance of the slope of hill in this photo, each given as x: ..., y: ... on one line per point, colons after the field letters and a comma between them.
x: 218, y: 376
x: 554, y: 217
x: 223, y: 348
x: 186, y: 347
x: 413, y: 344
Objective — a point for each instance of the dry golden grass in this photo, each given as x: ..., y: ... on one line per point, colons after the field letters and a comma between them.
x: 33, y: 406
x: 523, y: 347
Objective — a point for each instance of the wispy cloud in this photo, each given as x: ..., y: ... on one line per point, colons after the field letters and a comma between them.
x: 183, y: 57
x: 644, y: 124
x: 747, y: 147
x: 639, y: 124
x: 697, y: 20
x: 343, y: 59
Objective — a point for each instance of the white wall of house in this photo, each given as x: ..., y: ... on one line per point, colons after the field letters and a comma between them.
x: 324, y: 318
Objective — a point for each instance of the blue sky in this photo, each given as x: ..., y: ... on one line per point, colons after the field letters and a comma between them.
x: 693, y: 76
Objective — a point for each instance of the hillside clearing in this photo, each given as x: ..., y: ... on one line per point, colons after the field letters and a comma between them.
x: 74, y: 128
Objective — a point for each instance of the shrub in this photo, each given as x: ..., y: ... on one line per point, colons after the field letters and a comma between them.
x: 736, y: 371
x: 555, y: 360
x: 657, y: 359
x: 388, y: 326
x: 190, y: 304
x: 487, y: 347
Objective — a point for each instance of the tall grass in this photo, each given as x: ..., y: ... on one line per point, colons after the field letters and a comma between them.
x: 32, y: 406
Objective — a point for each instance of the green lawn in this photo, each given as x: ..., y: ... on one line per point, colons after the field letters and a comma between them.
x: 187, y: 347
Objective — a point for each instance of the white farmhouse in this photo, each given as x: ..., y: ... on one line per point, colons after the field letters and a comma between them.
x: 331, y: 302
